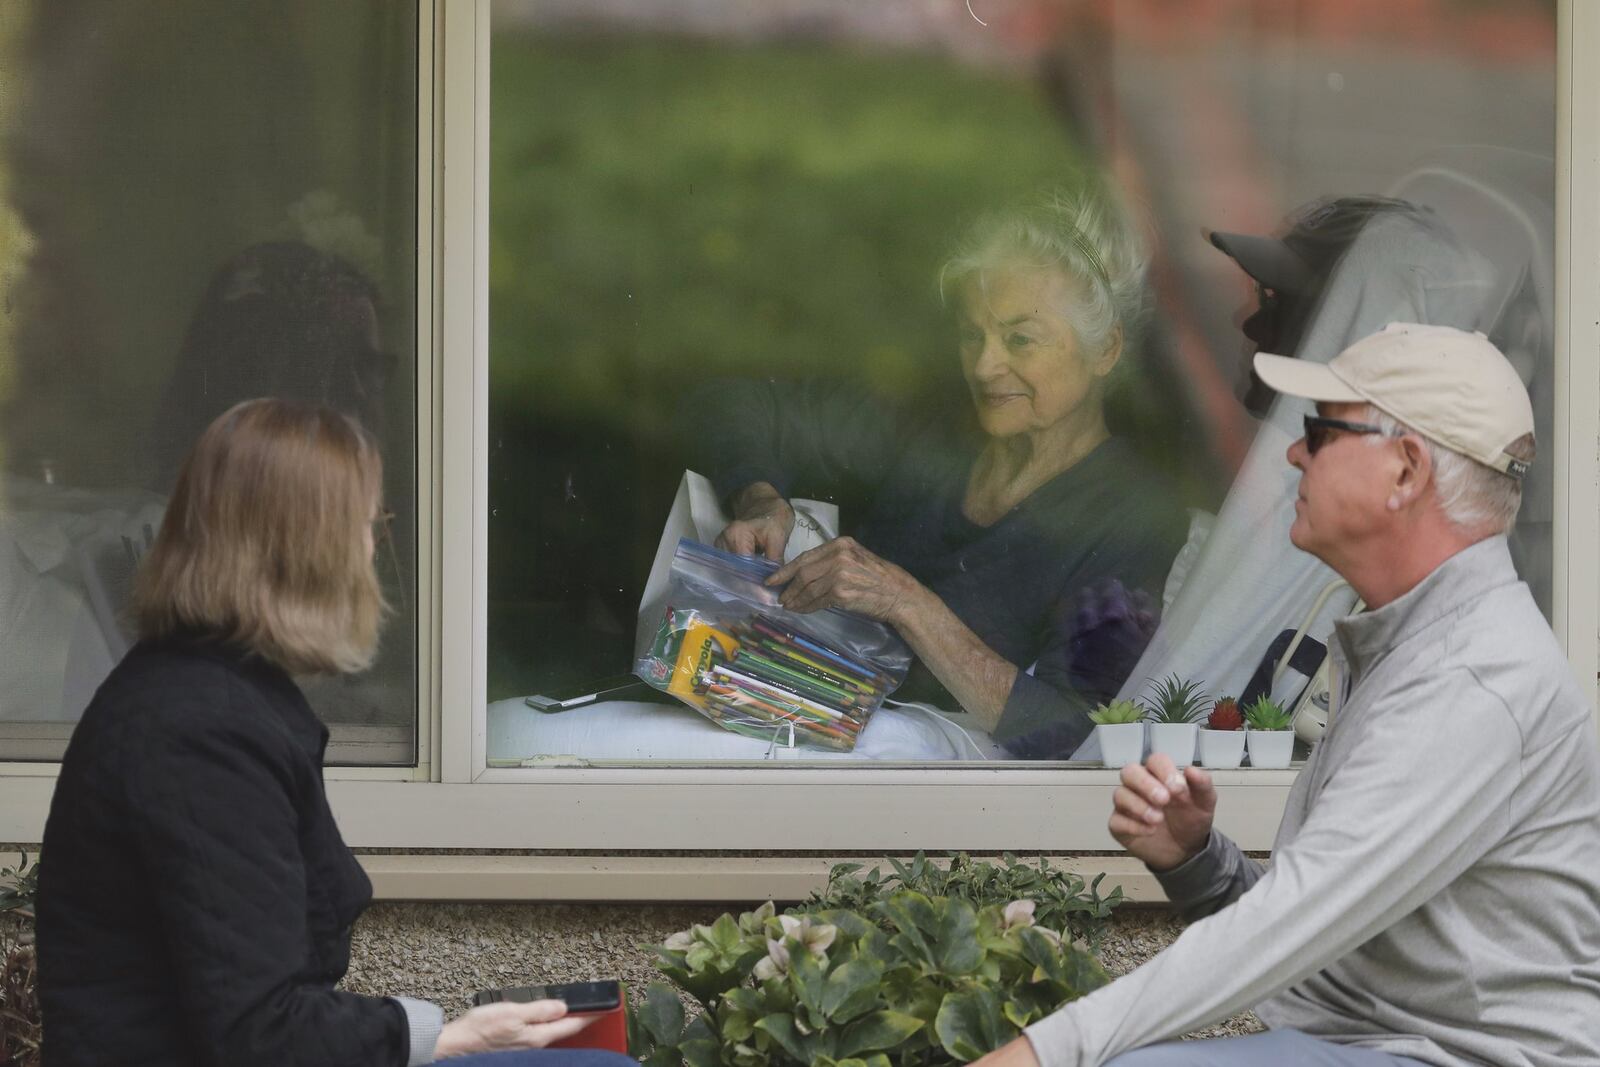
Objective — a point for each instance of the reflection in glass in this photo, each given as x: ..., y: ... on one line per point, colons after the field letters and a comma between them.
x: 1017, y: 543
x: 201, y: 205
x: 683, y: 198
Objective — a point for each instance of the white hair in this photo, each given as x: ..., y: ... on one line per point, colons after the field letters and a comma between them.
x: 1475, y: 498
x: 1083, y: 231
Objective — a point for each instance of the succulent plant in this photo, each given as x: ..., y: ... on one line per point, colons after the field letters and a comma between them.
x: 1174, y: 700
x: 1267, y: 714
x: 1225, y: 715
x: 1117, y: 713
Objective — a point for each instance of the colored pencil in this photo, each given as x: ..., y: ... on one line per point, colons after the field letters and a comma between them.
x: 791, y: 657
x: 785, y: 699
x: 743, y: 698
x: 857, y: 674
x: 778, y: 675
x: 837, y: 738
x: 814, y: 644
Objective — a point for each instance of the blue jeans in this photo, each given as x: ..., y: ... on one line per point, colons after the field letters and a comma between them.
x: 1274, y: 1048
x: 545, y: 1057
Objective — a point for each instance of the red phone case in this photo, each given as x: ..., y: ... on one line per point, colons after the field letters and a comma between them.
x: 608, y: 1031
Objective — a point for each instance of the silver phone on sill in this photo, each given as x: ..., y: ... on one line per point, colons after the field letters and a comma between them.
x: 565, y: 698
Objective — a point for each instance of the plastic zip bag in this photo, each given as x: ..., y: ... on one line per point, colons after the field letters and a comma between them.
x: 727, y: 648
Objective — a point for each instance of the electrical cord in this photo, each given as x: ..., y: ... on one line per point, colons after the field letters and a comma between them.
x: 937, y: 714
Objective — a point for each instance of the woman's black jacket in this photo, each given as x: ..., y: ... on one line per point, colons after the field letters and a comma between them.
x: 195, y: 898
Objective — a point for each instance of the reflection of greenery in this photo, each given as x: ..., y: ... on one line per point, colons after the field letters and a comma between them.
x: 16, y: 243
x: 180, y: 132
x: 663, y: 211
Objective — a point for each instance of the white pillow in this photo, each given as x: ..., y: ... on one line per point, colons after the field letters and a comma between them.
x: 629, y: 730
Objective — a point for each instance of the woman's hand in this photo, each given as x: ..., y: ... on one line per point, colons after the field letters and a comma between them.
x: 842, y: 574
x: 497, y: 1027
x: 762, y: 523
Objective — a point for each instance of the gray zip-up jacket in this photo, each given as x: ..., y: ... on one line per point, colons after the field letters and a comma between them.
x: 1435, y: 883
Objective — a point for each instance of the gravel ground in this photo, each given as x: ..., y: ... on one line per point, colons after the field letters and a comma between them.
x: 445, y: 952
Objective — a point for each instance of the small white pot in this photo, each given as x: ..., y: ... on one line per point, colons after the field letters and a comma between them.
x: 1270, y: 748
x: 1174, y: 739
x: 1121, y: 744
x: 1221, y: 748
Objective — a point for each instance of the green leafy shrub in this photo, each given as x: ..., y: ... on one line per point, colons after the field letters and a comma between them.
x: 1063, y: 901
x: 20, y: 1025
x: 19, y: 886
x: 912, y: 979
x: 21, y: 1029
x: 1264, y: 713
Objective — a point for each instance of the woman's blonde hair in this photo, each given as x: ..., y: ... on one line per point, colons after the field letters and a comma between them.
x: 264, y: 541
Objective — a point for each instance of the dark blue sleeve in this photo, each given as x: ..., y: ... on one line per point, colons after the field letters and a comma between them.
x: 806, y: 438
x: 1096, y: 640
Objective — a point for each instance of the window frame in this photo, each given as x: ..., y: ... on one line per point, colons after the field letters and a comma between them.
x: 451, y: 799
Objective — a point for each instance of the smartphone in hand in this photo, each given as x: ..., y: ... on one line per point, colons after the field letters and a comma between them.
x: 603, y: 999
x: 581, y: 998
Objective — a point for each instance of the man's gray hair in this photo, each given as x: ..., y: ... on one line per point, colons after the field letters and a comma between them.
x: 1083, y: 231
x: 1475, y: 498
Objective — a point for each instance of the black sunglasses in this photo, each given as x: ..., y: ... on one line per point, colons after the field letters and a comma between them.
x: 1319, y: 430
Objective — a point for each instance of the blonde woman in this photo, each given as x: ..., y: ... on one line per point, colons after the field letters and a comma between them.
x: 198, y: 901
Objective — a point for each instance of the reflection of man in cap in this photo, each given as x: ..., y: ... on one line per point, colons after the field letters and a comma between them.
x: 1369, y: 261
x: 1434, y: 893
x: 1291, y: 271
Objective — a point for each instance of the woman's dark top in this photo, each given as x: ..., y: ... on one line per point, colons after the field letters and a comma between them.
x: 195, y: 898
x: 1068, y: 582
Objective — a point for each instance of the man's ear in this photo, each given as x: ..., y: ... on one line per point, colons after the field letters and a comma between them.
x: 1415, y: 473
x: 1108, y: 359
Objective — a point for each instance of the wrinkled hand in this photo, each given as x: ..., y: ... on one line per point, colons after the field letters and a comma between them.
x: 1161, y: 814
x: 762, y: 524
x: 842, y: 574
x: 497, y: 1027
x: 1016, y: 1053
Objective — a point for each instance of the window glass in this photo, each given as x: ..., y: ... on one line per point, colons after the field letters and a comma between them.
x: 201, y: 204
x: 986, y: 278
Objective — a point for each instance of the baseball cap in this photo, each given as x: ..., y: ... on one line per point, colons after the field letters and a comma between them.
x: 1266, y: 259
x: 1319, y: 233
x: 1451, y: 386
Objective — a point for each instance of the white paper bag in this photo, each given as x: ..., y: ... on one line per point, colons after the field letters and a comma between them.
x: 697, y: 514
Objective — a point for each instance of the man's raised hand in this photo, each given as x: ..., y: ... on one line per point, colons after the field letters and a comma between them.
x: 1161, y: 814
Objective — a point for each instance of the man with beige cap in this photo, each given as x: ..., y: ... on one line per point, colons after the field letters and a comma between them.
x: 1434, y: 892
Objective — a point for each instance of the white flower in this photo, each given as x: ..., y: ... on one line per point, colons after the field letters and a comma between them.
x: 774, y: 963
x: 680, y: 941
x: 1018, y: 913
x: 816, y: 937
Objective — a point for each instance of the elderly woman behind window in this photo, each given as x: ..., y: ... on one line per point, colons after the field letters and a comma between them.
x: 1015, y: 543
